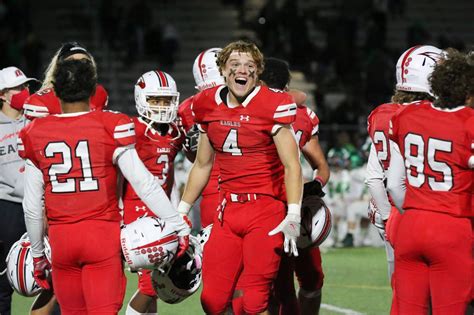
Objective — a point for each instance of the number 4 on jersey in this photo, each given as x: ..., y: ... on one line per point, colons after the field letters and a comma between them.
x: 230, y: 143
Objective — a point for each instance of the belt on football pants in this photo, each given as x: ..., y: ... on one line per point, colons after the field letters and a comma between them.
x: 242, y: 197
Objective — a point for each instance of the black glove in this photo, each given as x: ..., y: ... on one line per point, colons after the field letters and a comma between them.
x: 313, y: 188
x: 191, y: 141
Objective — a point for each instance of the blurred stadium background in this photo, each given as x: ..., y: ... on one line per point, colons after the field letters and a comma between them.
x: 342, y: 54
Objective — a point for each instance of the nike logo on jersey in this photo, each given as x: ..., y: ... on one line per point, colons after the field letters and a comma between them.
x: 230, y: 123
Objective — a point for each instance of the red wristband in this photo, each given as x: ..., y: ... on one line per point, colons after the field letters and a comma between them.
x: 321, y: 180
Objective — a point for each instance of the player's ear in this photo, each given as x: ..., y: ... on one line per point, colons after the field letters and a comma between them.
x: 470, y: 101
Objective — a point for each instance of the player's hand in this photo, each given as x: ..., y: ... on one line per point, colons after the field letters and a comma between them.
x: 313, y: 188
x: 290, y: 227
x: 183, y: 228
x: 42, y: 269
x: 375, y: 217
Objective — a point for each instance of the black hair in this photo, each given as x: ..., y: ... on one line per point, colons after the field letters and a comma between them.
x: 452, y: 79
x: 74, y: 80
x: 276, y: 73
x: 71, y: 48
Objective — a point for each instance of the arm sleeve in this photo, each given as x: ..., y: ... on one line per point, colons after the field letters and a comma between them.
x: 374, y: 181
x: 396, y: 176
x: 33, y: 207
x: 145, y: 184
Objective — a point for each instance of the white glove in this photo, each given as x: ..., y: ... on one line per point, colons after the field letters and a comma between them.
x: 290, y: 227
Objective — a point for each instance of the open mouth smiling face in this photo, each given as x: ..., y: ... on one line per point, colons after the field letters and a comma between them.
x: 241, y: 74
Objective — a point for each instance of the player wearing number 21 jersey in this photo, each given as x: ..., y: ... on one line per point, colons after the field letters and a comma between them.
x: 71, y: 159
x: 431, y: 150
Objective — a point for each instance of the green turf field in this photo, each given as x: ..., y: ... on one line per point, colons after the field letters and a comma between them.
x: 356, y: 279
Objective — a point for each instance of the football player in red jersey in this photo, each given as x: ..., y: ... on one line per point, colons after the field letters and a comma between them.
x: 158, y: 141
x: 430, y: 178
x: 413, y: 68
x: 71, y: 159
x: 307, y: 265
x: 247, y: 128
x: 206, y: 75
x: 45, y: 102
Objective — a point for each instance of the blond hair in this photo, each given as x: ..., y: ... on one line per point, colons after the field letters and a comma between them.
x: 48, y: 74
x: 244, y: 47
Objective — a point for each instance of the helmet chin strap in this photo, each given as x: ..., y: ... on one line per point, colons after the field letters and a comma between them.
x: 149, y: 128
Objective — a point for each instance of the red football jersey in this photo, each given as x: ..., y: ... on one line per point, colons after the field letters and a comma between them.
x: 377, y: 127
x: 75, y: 155
x: 242, y: 137
x: 436, y: 148
x: 306, y: 125
x: 185, y: 113
x: 45, y: 102
x: 157, y: 153
x: 187, y: 118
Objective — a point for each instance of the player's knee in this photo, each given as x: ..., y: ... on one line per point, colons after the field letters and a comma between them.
x: 256, y: 300
x: 212, y: 302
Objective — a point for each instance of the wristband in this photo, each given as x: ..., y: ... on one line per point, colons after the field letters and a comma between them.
x: 294, y: 208
x: 184, y: 207
x: 321, y: 180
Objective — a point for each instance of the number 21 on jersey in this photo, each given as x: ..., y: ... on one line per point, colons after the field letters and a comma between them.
x: 86, y: 183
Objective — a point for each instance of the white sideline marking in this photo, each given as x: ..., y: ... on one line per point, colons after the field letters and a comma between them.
x: 340, y: 309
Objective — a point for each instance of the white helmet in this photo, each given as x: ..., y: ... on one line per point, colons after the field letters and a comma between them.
x: 148, y: 242
x: 203, y: 235
x: 415, y: 66
x: 316, y: 222
x: 182, y: 278
x: 156, y: 83
x: 205, y: 70
x: 20, y: 266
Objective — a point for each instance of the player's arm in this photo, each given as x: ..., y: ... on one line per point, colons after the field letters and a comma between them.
x: 199, y: 174
x: 150, y: 192
x: 315, y: 156
x: 33, y: 207
x: 396, y: 176
x: 375, y: 183
x: 288, y: 152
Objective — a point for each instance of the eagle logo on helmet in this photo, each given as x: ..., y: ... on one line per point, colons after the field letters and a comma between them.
x: 316, y: 222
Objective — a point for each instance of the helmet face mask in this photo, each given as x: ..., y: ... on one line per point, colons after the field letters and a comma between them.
x: 180, y: 279
x: 415, y: 66
x: 205, y: 70
x: 152, y: 86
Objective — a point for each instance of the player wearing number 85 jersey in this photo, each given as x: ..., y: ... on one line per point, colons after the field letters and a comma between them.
x: 71, y: 159
x: 431, y: 178
x: 248, y: 129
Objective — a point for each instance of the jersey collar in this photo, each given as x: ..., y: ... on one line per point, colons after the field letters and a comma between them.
x: 220, y: 93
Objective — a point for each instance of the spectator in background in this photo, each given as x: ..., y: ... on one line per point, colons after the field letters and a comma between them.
x: 13, y: 92
x: 31, y: 51
x: 169, y: 45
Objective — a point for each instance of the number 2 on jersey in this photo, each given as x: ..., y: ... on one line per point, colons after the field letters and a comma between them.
x: 86, y: 183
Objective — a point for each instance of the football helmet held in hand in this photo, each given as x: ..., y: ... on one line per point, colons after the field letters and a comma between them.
x: 148, y: 242
x: 316, y: 222
x: 20, y: 266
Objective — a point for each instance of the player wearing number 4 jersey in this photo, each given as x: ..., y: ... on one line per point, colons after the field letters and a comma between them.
x: 71, y: 159
x: 248, y: 129
x: 431, y: 178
